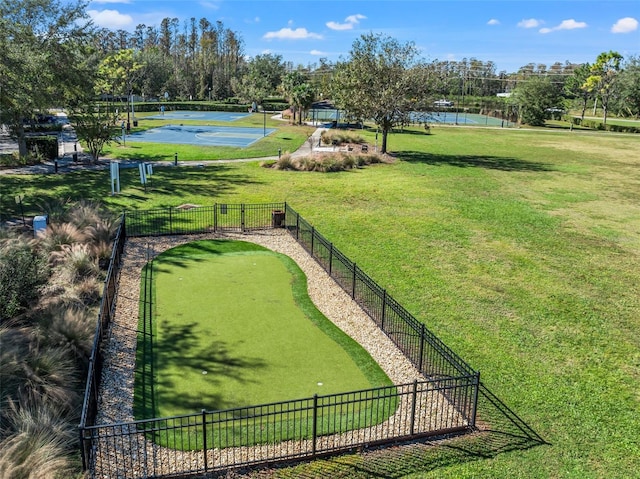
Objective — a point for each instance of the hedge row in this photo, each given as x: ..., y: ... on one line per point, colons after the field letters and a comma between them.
x: 598, y: 125
x: 45, y: 146
x: 232, y: 107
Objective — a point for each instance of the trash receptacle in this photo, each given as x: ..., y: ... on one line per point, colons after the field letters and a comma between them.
x: 277, y: 219
x: 135, y: 123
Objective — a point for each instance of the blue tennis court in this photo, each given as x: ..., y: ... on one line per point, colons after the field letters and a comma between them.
x: 460, y: 118
x: 201, y: 135
x: 199, y: 115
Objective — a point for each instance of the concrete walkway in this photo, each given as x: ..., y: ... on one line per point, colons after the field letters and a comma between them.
x: 69, y: 144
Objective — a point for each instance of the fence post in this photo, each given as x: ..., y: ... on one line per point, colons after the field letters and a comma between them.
x: 414, y: 400
x: 474, y: 406
x: 297, y: 226
x: 215, y: 217
x: 313, y: 235
x: 170, y: 221
x: 83, y: 452
x: 422, y: 340
x: 315, y: 424
x: 242, y: 217
x: 384, y: 309
x: 353, y: 289
x: 204, y: 438
x: 285, y: 209
x: 330, y: 257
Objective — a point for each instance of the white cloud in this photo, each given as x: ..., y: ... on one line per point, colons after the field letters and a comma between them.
x: 529, y: 23
x: 349, y: 22
x: 110, y: 18
x: 317, y: 53
x: 625, y: 25
x: 570, y: 24
x: 111, y: 1
x: 493, y: 21
x: 291, y: 34
x: 210, y: 5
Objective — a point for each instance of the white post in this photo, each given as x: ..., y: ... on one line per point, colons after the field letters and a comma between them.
x: 143, y: 173
x: 115, y: 177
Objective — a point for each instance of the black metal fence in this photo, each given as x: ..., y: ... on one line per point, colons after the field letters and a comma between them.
x: 288, y: 430
x: 213, y: 440
x: 105, y: 315
x: 428, y: 353
x: 205, y: 219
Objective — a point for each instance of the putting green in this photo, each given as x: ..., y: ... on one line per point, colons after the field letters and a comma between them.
x: 233, y: 326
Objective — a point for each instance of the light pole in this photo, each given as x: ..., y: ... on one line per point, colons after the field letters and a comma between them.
x: 264, y: 120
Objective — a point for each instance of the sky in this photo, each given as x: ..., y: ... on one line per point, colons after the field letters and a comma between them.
x: 511, y: 33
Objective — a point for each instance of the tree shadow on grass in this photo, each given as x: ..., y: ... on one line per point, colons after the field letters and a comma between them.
x: 182, y: 351
x: 211, y: 181
x: 499, y: 431
x: 475, y: 161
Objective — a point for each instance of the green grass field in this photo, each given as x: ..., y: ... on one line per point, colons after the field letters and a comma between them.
x: 233, y: 326
x: 520, y: 249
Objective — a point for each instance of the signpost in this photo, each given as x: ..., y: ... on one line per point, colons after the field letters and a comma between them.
x: 146, y: 170
x: 114, y: 167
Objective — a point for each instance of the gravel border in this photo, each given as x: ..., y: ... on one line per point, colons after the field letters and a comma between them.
x: 116, y: 394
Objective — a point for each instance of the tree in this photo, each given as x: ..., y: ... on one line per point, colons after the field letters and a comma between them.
x: 263, y: 77
x: 534, y: 97
x: 303, y: 96
x: 378, y: 82
x: 602, y: 81
x: 630, y: 87
x: 153, y: 75
x: 290, y: 82
x: 96, y: 127
x: 118, y: 73
x: 575, y: 85
x: 42, y: 48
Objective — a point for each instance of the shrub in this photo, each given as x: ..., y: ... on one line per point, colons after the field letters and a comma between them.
x: 22, y: 273
x: 68, y: 329
x: 338, y: 161
x: 46, y: 146
x: 340, y: 137
x: 38, y: 445
x: 58, y: 235
x: 285, y: 162
x: 75, y: 263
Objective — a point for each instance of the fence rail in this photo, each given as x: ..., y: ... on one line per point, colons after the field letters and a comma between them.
x: 423, y: 348
x: 213, y: 440
x: 288, y: 430
x: 204, y: 219
x: 105, y: 314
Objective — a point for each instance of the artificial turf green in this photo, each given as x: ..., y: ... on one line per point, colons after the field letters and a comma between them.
x: 234, y: 326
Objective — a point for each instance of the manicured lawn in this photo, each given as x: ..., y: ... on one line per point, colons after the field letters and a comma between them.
x: 233, y: 326
x: 520, y: 249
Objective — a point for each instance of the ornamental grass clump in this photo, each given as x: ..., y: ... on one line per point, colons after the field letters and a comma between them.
x: 50, y: 287
x: 341, y: 137
x: 325, y: 163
